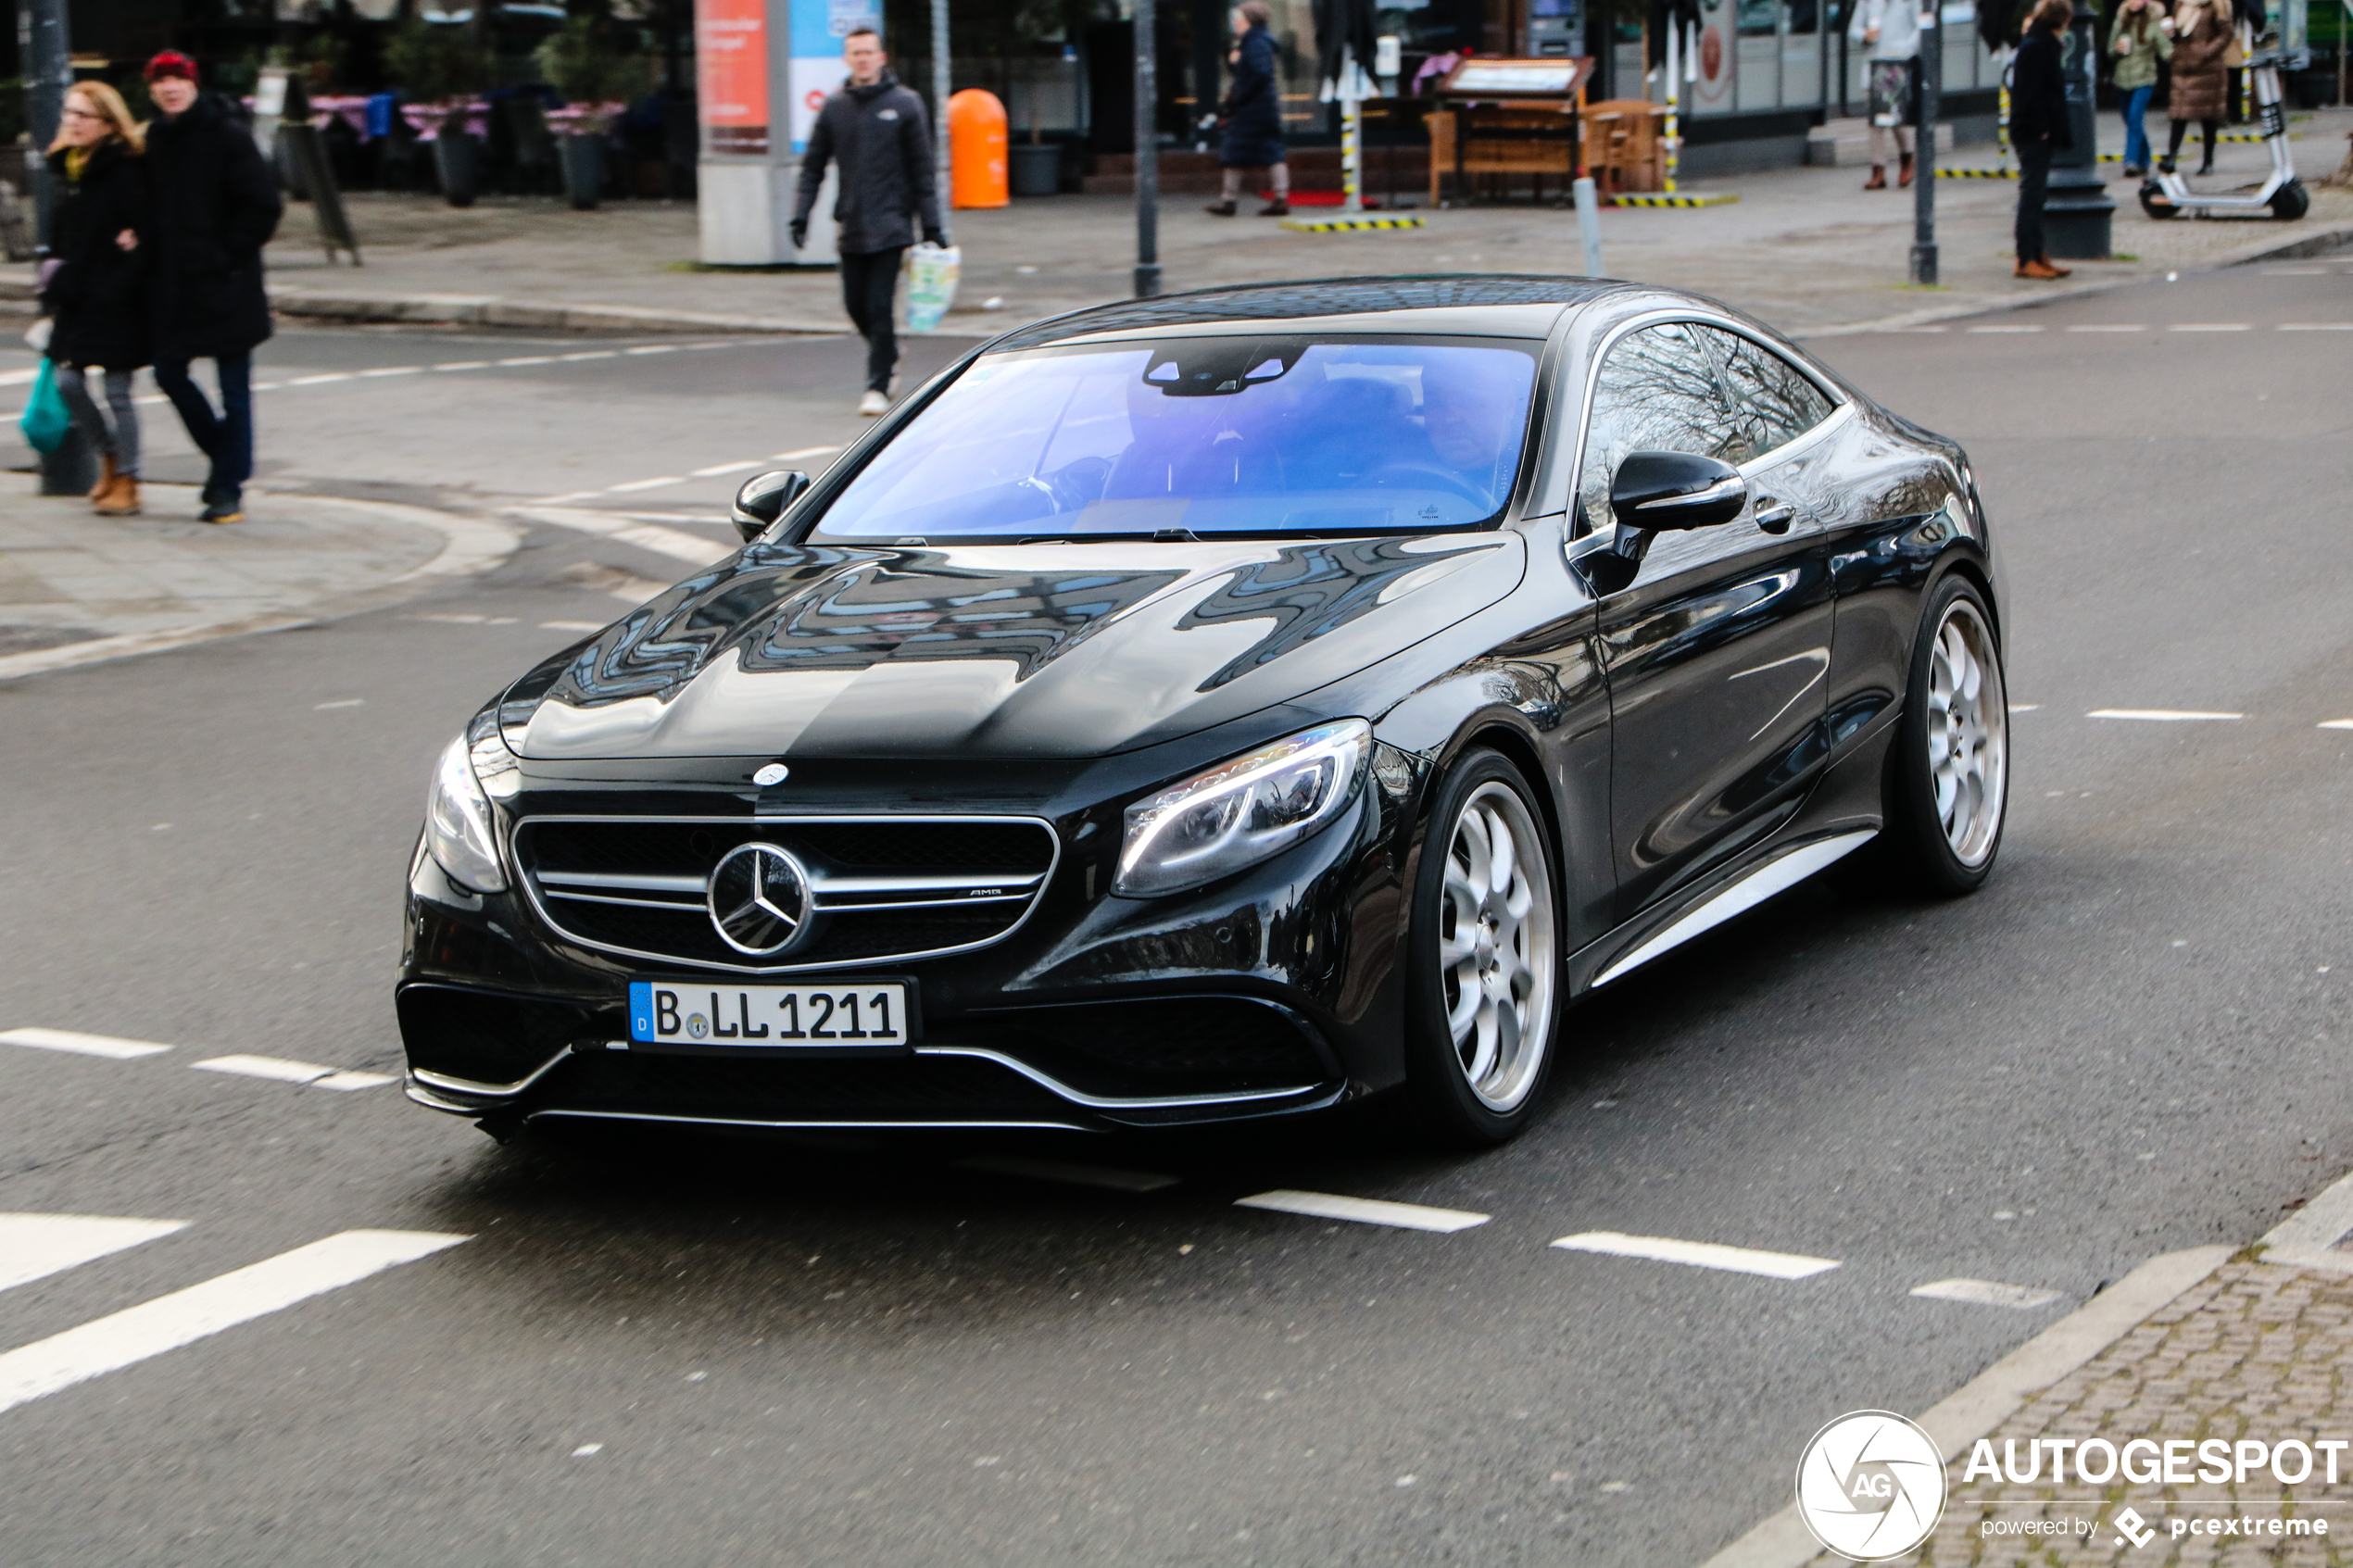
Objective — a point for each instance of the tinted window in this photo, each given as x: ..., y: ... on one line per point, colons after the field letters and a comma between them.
x: 1656, y: 393
x: 1782, y: 397
x: 1209, y: 435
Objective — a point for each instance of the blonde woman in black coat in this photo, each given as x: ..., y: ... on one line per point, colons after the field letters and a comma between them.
x: 94, y: 292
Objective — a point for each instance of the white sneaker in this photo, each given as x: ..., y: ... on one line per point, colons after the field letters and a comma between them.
x: 874, y: 403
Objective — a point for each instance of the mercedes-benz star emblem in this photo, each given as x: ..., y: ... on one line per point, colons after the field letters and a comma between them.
x: 759, y: 900
x: 773, y: 774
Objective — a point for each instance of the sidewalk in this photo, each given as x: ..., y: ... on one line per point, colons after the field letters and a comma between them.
x: 76, y: 587
x: 1804, y: 248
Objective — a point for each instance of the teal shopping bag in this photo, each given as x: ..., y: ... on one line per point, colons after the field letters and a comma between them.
x: 46, y: 420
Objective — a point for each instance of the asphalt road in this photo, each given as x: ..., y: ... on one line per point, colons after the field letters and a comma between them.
x: 712, y: 1352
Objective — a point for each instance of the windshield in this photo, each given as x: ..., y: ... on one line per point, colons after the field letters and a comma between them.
x: 1258, y: 435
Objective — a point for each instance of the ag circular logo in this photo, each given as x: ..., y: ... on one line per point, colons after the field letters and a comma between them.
x: 1871, y: 1486
x: 759, y: 900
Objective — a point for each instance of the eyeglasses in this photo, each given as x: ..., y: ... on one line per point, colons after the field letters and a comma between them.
x: 73, y: 113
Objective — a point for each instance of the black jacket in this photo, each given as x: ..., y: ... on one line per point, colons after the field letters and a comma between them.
x: 2038, y: 94
x: 216, y: 204
x: 882, y: 140
x: 97, y: 298
x: 1253, y: 111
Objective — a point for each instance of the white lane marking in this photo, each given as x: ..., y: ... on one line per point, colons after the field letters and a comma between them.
x: 1986, y: 1293
x: 82, y: 1045
x: 314, y: 380
x: 587, y: 1450
x: 33, y: 1245
x: 567, y: 496
x: 282, y: 1071
x: 2001, y: 328
x: 2024, y: 706
x: 123, y: 1338
x: 804, y: 452
x: 654, y: 348
x: 463, y: 365
x: 1364, y: 1210
x: 1699, y: 1254
x: 591, y: 354
x: 572, y: 626
x: 1917, y: 329
x: 530, y: 360
x: 2158, y: 715
x: 717, y: 469
x: 645, y: 484
x: 2209, y: 327
x: 1078, y: 1175
x: 2109, y: 327
x: 2316, y: 327
x: 16, y: 377
x: 645, y: 535
x: 395, y: 370
x: 265, y: 386
x: 2336, y: 724
x: 340, y: 702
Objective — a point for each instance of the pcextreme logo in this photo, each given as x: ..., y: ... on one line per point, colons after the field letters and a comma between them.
x: 1871, y: 1486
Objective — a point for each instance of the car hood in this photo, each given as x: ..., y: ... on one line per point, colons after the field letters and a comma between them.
x: 994, y: 650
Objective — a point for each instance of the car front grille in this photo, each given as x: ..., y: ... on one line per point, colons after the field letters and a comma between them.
x: 885, y: 889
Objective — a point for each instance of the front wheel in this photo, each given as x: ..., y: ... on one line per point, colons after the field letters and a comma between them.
x: 1949, y: 773
x: 1485, y: 961
x: 2291, y: 201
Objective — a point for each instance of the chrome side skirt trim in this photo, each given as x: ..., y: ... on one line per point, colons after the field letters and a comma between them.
x: 1099, y: 1102
x: 1784, y: 872
x: 808, y: 1126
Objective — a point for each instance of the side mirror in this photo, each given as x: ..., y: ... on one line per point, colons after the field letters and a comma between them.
x: 763, y: 500
x: 1662, y: 490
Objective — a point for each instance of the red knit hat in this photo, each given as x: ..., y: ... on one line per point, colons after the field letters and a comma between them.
x: 172, y: 63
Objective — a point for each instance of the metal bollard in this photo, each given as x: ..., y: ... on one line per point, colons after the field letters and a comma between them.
x: 1589, y: 224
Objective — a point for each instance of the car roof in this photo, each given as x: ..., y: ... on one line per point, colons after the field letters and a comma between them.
x: 1482, y: 304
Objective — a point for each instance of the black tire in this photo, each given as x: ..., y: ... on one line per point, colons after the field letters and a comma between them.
x: 2155, y: 203
x: 2291, y: 201
x: 1517, y: 998
x: 1935, y: 842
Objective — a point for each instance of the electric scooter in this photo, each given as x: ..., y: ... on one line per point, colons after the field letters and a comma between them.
x: 2165, y: 193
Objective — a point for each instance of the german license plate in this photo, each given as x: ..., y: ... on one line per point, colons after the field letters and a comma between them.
x: 693, y: 1015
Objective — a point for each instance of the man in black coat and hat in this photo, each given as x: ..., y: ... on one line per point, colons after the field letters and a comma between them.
x: 876, y: 132
x: 215, y: 206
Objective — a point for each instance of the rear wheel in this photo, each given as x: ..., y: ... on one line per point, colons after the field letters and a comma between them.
x: 1484, y: 956
x: 2154, y: 202
x: 1949, y: 776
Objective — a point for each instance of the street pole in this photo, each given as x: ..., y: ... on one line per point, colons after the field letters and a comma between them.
x: 1147, y: 154
x: 940, y: 83
x: 46, y: 49
x: 2077, y: 212
x: 1924, y: 146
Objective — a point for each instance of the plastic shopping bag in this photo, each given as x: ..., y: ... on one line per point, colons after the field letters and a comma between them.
x: 932, y: 272
x: 46, y: 420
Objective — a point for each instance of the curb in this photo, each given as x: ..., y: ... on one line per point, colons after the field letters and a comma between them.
x: 2318, y: 242
x: 2306, y: 1239
x: 470, y: 546
x: 490, y: 310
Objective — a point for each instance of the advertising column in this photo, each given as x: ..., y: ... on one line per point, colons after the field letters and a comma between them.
x: 763, y: 69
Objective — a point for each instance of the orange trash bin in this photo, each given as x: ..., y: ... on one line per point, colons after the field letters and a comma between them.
x: 976, y: 150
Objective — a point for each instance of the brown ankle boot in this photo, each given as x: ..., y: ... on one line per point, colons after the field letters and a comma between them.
x: 2037, y: 268
x: 106, y: 476
x: 2056, y: 270
x: 1878, y: 181
x: 121, y: 498
x: 1905, y: 176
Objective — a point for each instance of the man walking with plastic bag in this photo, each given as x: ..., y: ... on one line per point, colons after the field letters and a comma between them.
x: 876, y: 132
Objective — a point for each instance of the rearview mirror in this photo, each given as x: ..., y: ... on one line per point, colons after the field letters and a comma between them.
x: 763, y: 500
x: 1663, y: 490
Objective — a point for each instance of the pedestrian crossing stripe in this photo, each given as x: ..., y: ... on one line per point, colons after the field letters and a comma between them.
x: 1343, y: 225
x: 1714, y: 198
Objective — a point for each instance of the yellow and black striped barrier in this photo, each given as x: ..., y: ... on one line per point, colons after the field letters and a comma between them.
x: 1346, y: 225
x: 1976, y: 174
x: 1646, y: 199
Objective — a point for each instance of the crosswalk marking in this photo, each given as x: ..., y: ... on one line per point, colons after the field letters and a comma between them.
x: 82, y: 1045
x: 284, y: 1071
x: 1986, y: 1293
x: 1364, y: 1210
x: 1699, y: 1254
x: 35, y: 1246
x: 169, y: 1322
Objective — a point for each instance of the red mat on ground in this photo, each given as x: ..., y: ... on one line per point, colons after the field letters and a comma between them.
x: 1320, y: 198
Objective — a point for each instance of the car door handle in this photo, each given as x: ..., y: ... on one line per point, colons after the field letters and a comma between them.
x: 1774, y: 517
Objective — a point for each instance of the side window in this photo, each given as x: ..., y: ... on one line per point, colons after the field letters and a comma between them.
x: 1656, y: 393
x: 1782, y: 397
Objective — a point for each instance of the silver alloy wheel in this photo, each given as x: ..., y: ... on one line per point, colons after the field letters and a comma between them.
x: 1968, y: 732
x: 1495, y: 954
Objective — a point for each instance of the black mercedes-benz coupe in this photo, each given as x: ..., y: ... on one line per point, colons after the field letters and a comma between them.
x: 1222, y: 705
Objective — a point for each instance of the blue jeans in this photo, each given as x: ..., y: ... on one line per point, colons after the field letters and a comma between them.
x: 225, y: 439
x: 2137, y: 141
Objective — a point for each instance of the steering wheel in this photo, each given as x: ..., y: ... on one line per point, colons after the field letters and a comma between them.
x: 1422, y: 476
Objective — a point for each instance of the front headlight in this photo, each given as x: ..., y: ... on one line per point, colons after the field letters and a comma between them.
x: 1242, y: 812
x: 458, y: 824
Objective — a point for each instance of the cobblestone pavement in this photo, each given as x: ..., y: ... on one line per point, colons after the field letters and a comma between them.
x: 2254, y: 1351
